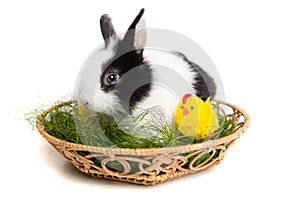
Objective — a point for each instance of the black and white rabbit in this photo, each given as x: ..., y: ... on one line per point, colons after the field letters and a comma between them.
x: 125, y: 77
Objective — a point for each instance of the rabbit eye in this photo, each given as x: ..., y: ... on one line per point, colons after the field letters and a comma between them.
x: 112, y: 78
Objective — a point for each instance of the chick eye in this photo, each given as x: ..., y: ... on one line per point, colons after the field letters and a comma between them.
x: 192, y: 107
x: 112, y: 78
x: 181, y: 107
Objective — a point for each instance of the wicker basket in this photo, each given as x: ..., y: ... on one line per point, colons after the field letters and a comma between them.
x: 152, y: 165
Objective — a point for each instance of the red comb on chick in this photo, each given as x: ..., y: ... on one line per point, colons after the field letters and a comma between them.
x: 185, y: 97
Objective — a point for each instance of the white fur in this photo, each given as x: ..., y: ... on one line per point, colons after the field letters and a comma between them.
x: 158, y: 57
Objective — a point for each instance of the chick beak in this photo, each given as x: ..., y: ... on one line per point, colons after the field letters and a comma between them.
x: 185, y: 112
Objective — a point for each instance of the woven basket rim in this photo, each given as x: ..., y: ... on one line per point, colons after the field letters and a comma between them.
x: 146, y: 151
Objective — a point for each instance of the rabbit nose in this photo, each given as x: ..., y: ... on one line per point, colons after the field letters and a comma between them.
x: 185, y: 112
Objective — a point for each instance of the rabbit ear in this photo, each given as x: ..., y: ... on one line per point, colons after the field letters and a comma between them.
x: 107, y: 28
x: 135, y: 36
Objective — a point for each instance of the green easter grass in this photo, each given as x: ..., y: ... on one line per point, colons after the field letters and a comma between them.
x: 101, y: 130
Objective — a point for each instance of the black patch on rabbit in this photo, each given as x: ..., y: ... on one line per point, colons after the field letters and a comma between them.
x: 131, y: 87
x: 204, y: 85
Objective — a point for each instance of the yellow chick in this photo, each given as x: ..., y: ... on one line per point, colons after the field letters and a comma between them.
x: 196, y: 118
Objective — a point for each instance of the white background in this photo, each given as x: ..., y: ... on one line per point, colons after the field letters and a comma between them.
x: 254, y: 44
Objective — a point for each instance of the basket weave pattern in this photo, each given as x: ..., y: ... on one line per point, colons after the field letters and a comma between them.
x: 149, y: 166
